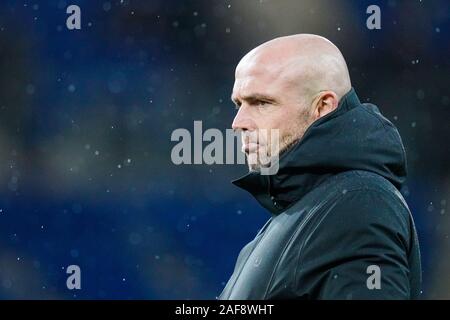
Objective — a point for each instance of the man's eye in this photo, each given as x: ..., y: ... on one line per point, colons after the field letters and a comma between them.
x: 261, y: 103
x: 237, y: 106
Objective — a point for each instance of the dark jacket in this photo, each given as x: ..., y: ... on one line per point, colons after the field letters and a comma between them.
x: 336, y: 211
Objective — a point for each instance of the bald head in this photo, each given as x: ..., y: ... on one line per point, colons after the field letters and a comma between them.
x: 286, y: 84
x: 310, y: 62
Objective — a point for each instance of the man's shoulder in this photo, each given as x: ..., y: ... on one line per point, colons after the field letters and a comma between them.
x: 362, y: 182
x: 352, y: 201
x: 365, y: 199
x: 359, y: 199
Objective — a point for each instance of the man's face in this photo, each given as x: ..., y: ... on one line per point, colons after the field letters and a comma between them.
x: 267, y: 100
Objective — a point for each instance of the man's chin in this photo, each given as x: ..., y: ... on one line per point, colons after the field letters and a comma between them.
x: 254, y: 165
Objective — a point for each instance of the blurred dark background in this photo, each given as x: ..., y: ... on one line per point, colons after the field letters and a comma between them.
x: 86, y: 117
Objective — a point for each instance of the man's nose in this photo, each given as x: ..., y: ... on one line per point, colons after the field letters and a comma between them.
x: 243, y: 120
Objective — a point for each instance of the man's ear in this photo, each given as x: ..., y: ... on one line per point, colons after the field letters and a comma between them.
x: 325, y: 103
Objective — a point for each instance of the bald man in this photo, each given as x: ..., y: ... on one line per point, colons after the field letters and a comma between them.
x: 339, y: 227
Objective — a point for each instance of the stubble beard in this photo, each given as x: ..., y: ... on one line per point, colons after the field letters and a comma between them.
x: 285, y: 144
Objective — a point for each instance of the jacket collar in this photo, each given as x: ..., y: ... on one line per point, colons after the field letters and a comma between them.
x: 294, y: 179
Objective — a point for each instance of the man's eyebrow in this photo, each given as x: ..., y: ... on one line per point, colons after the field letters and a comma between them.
x: 255, y: 96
